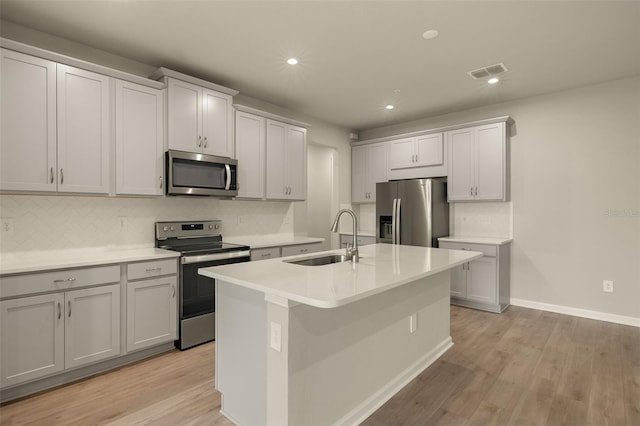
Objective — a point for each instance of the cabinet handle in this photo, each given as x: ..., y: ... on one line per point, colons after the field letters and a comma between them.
x: 173, y: 288
x: 61, y: 176
x: 471, y: 191
x: 69, y: 305
x: 160, y: 182
x: 476, y: 191
x: 153, y: 269
x: 416, y: 158
x: 304, y: 250
x: 70, y: 280
x: 265, y: 255
x: 199, y: 141
x: 205, y: 141
x: 51, y: 175
x: 59, y: 311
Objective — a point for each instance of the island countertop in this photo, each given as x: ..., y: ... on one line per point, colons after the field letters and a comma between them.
x: 381, y: 268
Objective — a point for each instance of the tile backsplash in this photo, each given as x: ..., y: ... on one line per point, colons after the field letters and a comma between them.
x: 65, y: 222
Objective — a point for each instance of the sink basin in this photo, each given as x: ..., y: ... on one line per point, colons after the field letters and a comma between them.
x: 320, y: 260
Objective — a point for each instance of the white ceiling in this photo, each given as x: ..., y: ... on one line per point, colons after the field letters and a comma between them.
x: 357, y: 56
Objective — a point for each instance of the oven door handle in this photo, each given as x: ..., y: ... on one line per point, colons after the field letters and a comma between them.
x: 228, y: 170
x: 217, y: 256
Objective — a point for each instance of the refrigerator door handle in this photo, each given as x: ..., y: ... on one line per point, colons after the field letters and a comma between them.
x: 398, y: 222
x: 393, y: 222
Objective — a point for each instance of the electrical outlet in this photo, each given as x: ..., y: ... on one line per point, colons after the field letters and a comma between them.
x: 122, y: 222
x: 276, y: 336
x: 607, y: 286
x: 7, y: 225
x: 413, y: 323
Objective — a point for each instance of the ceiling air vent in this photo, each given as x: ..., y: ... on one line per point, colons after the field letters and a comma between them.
x: 488, y: 71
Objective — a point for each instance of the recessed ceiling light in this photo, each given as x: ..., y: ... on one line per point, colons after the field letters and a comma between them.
x: 389, y: 106
x: 430, y: 34
x: 493, y: 80
x: 292, y: 61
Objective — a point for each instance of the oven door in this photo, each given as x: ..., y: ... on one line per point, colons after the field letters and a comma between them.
x: 197, y: 292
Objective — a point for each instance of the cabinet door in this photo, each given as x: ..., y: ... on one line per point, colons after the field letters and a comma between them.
x: 250, y: 152
x: 151, y: 312
x: 139, y: 139
x: 376, y: 168
x: 482, y: 280
x: 184, y: 112
x: 84, y: 103
x: 402, y: 153
x: 276, y: 139
x: 460, y: 178
x: 28, y: 116
x: 359, y: 182
x: 32, y: 338
x: 217, y: 123
x: 459, y: 281
x: 296, y: 162
x: 429, y: 150
x: 92, y: 331
x: 490, y: 162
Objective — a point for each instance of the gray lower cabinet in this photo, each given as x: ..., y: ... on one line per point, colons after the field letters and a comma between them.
x: 483, y: 283
x: 363, y: 240
x: 284, y: 251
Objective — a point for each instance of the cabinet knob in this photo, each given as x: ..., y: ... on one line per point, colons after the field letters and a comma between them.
x: 205, y: 141
x: 61, y: 176
x: 52, y: 175
x: 160, y: 182
x: 199, y: 141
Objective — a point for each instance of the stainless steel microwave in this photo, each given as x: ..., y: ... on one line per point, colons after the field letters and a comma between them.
x: 189, y: 173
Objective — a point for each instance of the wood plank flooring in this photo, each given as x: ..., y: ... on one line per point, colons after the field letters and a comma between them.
x: 522, y: 367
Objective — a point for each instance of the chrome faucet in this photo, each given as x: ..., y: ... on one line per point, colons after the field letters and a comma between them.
x: 352, y: 250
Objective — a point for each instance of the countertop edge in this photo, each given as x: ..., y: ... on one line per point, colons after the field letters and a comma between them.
x: 133, y: 255
x: 266, y: 242
x: 498, y: 241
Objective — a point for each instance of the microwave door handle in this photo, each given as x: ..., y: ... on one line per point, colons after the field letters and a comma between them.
x: 228, y: 170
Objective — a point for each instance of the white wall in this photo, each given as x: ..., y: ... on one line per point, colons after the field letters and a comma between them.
x: 575, y: 174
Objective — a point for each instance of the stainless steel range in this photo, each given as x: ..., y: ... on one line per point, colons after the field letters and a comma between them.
x: 200, y: 245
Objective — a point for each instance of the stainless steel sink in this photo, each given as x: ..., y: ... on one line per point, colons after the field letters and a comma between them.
x: 320, y: 260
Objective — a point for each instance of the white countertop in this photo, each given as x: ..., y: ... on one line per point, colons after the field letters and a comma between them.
x: 37, y: 261
x: 264, y: 241
x: 381, y: 268
x: 477, y: 240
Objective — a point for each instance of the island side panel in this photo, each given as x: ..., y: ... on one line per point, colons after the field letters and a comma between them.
x: 241, y: 342
x: 344, y: 363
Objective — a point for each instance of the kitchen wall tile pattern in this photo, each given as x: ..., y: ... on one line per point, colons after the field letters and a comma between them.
x: 65, y: 222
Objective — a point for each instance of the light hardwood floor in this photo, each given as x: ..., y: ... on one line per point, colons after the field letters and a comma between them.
x: 522, y: 367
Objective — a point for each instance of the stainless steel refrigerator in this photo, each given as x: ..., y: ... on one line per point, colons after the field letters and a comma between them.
x: 412, y: 212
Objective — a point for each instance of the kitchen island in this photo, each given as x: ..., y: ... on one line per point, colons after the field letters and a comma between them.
x: 309, y: 345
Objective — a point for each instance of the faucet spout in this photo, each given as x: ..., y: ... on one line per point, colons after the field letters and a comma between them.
x: 352, y: 251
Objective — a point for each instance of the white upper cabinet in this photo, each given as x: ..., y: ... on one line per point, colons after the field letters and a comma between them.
x: 28, y: 117
x: 420, y: 151
x: 139, y: 126
x: 200, y: 119
x: 84, y: 103
x: 478, y: 163
x: 368, y: 167
x: 286, y: 165
x: 250, y: 153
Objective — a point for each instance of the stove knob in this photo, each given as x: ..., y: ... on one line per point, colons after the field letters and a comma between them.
x: 172, y: 228
x: 165, y: 228
x: 210, y: 226
x: 217, y: 226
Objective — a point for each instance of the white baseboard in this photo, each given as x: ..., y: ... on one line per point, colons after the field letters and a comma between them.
x: 375, y: 401
x: 576, y: 312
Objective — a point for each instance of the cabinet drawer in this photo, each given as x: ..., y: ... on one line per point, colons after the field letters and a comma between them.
x: 362, y: 241
x: 265, y: 253
x: 150, y: 269
x: 300, y: 249
x: 487, y: 250
x: 20, y: 285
